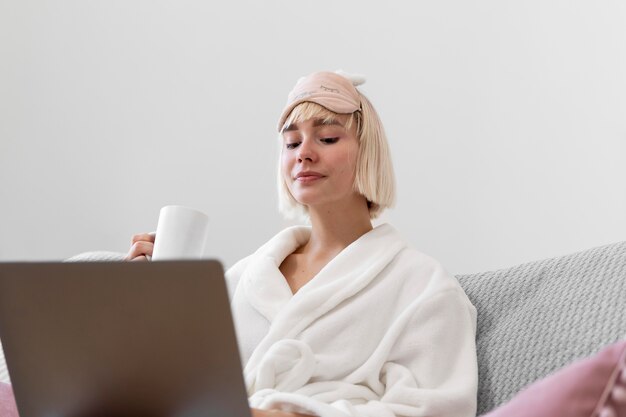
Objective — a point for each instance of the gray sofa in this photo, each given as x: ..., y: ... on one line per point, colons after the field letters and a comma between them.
x: 536, y: 317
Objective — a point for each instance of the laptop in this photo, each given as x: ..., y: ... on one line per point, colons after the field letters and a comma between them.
x: 121, y: 339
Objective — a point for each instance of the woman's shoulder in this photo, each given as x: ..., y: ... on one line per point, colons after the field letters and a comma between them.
x: 280, y: 245
x: 427, y: 279
x: 237, y: 269
x: 233, y: 274
x: 425, y: 270
x: 420, y: 260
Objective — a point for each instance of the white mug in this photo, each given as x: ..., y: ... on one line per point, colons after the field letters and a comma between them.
x: 181, y: 234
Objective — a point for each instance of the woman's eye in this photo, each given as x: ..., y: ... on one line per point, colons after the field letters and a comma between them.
x: 330, y: 140
x: 292, y: 145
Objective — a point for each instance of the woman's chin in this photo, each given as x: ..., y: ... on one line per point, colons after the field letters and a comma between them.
x: 309, y: 197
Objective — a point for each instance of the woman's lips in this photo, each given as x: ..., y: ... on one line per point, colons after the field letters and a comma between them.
x: 309, y: 178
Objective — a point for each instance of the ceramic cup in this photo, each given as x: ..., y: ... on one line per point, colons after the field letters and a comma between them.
x: 181, y: 234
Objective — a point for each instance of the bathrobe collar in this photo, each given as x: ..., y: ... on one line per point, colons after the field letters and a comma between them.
x: 267, y: 290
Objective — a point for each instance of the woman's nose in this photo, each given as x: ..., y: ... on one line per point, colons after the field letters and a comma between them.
x: 306, y: 152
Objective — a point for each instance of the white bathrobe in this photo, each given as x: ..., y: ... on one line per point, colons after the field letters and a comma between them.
x: 382, y: 330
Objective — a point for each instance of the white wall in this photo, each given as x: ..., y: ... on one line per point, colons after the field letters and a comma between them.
x: 507, y: 119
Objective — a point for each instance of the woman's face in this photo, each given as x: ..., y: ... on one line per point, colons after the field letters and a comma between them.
x: 318, y: 161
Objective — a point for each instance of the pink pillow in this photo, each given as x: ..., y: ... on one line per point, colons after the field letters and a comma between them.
x: 7, y: 401
x: 591, y: 387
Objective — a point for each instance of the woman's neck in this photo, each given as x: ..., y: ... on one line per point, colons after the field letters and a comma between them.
x: 334, y: 228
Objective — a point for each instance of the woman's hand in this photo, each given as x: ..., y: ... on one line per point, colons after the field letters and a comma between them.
x: 141, y: 247
x: 275, y: 413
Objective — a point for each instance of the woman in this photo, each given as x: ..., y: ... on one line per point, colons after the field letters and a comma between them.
x: 340, y: 318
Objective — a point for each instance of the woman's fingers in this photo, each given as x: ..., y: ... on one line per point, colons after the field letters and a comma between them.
x: 148, y: 237
x: 139, y: 258
x: 140, y: 248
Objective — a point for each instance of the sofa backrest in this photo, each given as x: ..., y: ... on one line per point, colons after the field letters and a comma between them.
x: 539, y: 316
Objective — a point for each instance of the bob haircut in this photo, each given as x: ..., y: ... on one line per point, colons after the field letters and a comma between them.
x: 374, y: 177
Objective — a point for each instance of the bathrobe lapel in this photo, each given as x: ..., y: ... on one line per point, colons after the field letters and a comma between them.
x: 264, y: 286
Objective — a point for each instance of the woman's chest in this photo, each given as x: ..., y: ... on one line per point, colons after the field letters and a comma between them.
x: 299, y: 270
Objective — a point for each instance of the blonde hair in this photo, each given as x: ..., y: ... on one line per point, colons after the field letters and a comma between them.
x: 374, y: 177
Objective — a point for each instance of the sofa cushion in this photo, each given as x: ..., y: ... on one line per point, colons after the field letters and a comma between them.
x: 595, y: 386
x: 537, y: 317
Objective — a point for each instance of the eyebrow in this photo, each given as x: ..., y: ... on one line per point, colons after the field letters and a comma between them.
x: 316, y: 122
